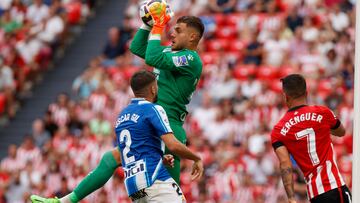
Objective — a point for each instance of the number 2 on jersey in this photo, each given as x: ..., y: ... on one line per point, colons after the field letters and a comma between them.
x: 309, y: 134
x: 125, y: 136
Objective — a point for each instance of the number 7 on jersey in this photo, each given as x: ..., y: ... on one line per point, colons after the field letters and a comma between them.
x: 309, y: 134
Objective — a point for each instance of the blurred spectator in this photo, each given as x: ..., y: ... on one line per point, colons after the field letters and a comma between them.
x: 28, y: 49
x: 98, y: 99
x: 84, y: 85
x: 114, y: 46
x: 253, y: 52
x: 50, y: 30
x: 251, y: 87
x: 11, y: 163
x: 60, y: 111
x: 223, y: 6
x: 37, y: 12
x: 50, y: 125
x: 294, y: 20
x: 99, y: 126
x: 309, y: 32
x: 39, y: 134
x: 27, y: 151
x: 339, y: 19
x: 64, y: 190
x: 225, y: 88
x: 18, y: 11
x: 7, y: 89
x: 16, y: 190
x: 8, y: 23
x: 29, y: 177
x: 5, y: 5
x: 206, y: 113
x: 62, y: 140
x: 84, y: 111
x: 331, y: 62
x: 275, y: 50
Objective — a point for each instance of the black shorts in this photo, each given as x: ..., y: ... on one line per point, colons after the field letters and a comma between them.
x: 338, y: 195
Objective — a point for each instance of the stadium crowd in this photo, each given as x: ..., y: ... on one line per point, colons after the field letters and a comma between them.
x: 248, y: 46
x: 32, y: 33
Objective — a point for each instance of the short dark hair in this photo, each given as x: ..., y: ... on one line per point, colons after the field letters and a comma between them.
x: 194, y: 22
x: 141, y: 79
x: 294, y: 85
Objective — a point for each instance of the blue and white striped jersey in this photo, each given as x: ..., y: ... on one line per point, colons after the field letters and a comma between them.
x: 138, y: 129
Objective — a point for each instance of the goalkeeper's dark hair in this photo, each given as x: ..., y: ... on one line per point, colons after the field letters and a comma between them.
x: 194, y: 22
x: 141, y: 80
x: 294, y: 85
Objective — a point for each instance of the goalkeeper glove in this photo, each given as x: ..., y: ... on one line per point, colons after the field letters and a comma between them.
x: 160, y: 15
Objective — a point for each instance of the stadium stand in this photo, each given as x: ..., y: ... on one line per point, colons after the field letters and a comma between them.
x: 249, y: 45
x: 32, y: 35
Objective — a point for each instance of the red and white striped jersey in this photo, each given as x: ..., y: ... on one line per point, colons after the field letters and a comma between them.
x: 305, y: 132
x: 60, y: 114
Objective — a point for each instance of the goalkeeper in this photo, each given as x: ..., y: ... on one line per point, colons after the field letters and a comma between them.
x: 178, y: 68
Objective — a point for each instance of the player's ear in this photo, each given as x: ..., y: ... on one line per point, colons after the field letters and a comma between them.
x: 154, y: 88
x: 193, y: 37
x: 286, y: 98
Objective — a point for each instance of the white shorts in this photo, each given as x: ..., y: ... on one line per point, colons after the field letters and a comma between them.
x: 167, y: 191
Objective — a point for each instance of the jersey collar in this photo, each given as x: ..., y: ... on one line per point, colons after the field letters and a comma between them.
x: 296, y: 107
x: 137, y: 100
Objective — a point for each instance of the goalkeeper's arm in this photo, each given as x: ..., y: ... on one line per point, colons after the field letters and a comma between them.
x: 139, y: 43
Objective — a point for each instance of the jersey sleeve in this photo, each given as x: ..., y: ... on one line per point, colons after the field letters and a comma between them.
x: 140, y: 42
x: 276, y: 138
x: 331, y: 118
x: 184, y: 61
x: 159, y: 120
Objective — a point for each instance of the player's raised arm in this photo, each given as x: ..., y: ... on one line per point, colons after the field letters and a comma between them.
x: 140, y: 42
x: 154, y: 54
x: 286, y: 172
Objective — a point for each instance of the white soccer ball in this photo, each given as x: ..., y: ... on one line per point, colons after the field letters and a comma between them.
x: 145, y: 14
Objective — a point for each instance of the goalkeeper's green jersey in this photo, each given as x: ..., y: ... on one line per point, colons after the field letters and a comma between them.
x: 178, y: 72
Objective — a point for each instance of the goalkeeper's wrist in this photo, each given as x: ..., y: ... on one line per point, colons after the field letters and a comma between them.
x: 157, y: 30
x: 145, y: 27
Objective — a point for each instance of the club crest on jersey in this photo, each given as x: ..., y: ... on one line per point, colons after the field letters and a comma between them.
x: 180, y: 61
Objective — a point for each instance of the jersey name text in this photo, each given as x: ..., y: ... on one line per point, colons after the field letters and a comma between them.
x: 126, y: 117
x: 300, y: 118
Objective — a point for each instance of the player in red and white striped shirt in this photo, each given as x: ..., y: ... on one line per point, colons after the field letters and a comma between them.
x: 304, y: 132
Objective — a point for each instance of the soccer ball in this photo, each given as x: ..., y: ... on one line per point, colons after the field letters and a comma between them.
x: 145, y: 14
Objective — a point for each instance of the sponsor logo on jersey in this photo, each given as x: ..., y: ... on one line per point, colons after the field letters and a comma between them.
x: 180, y: 61
x: 190, y: 57
x: 135, y: 168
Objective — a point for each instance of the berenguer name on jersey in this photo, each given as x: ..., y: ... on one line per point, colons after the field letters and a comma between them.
x: 300, y: 118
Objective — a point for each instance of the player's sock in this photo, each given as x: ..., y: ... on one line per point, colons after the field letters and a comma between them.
x: 70, y: 198
x: 95, y: 179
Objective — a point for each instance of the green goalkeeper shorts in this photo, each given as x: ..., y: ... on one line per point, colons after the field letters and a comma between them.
x: 180, y: 135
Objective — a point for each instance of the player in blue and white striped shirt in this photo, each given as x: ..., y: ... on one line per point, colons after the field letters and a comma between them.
x: 142, y: 131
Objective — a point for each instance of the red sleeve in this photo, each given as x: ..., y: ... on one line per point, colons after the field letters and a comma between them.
x: 276, y: 138
x: 331, y: 118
